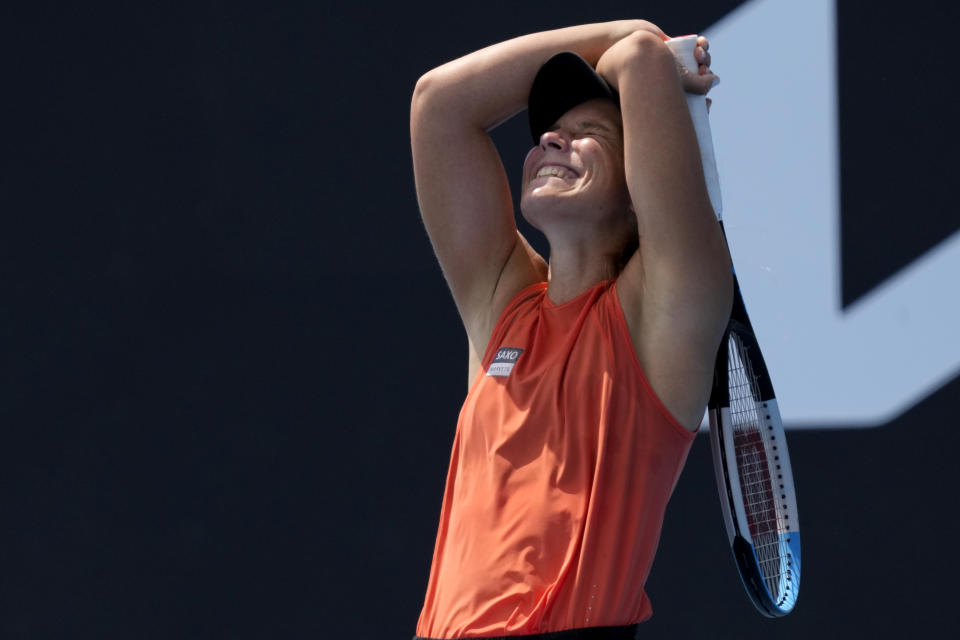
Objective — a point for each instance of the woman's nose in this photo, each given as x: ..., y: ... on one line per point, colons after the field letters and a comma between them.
x: 554, y: 139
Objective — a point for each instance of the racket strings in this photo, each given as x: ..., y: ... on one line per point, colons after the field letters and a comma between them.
x: 752, y: 444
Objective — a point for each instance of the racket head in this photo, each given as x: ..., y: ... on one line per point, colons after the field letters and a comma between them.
x: 754, y: 476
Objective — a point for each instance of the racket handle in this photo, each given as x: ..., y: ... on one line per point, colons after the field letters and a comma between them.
x: 683, y: 48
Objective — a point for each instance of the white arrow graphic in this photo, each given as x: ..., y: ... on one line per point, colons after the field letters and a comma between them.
x: 774, y: 121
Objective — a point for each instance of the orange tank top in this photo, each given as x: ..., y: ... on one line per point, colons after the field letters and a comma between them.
x: 562, y: 466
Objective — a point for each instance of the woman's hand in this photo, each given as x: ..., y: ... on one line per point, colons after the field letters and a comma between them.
x: 703, y: 79
x: 615, y: 60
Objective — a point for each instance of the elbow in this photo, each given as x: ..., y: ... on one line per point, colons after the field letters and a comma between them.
x: 430, y: 96
x: 442, y: 104
x: 424, y: 105
x: 645, y: 64
x: 424, y: 94
x: 643, y: 48
x: 425, y: 87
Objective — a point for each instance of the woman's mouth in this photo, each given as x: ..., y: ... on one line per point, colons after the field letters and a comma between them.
x: 555, y: 171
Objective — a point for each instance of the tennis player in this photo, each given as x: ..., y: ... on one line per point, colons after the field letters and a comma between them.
x: 589, y: 372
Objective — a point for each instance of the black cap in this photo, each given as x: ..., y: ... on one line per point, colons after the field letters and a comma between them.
x: 563, y: 82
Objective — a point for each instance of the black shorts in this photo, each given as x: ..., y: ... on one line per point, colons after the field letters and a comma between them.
x: 628, y: 632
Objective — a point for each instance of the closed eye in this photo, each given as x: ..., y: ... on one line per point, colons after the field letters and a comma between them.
x: 593, y: 128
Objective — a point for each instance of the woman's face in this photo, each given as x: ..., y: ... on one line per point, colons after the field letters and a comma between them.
x: 577, y: 169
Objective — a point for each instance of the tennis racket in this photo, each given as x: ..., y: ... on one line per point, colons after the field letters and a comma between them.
x: 750, y: 455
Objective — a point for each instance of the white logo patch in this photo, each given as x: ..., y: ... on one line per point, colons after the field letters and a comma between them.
x: 503, y: 362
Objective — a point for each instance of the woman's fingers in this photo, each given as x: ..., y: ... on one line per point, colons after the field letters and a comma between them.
x: 702, y: 55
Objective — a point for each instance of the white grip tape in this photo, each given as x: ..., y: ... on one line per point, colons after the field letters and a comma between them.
x: 683, y: 48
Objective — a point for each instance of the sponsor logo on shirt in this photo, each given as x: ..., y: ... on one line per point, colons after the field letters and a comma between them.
x: 503, y: 362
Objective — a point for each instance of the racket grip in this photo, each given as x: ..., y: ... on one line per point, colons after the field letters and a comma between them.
x: 683, y: 48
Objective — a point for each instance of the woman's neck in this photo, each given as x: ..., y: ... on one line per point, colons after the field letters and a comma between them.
x: 570, y: 273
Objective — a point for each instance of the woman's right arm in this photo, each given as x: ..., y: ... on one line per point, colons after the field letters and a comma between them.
x: 461, y: 186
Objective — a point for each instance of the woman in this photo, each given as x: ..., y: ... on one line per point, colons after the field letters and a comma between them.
x: 589, y: 373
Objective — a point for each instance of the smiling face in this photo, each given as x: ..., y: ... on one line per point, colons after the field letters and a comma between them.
x: 576, y: 172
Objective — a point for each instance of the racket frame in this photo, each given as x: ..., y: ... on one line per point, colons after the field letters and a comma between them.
x: 723, y: 447
x: 780, y: 473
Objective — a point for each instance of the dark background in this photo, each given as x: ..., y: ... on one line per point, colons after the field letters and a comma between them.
x: 231, y: 369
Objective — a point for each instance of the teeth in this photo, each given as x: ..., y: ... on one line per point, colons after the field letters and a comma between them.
x: 558, y: 172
